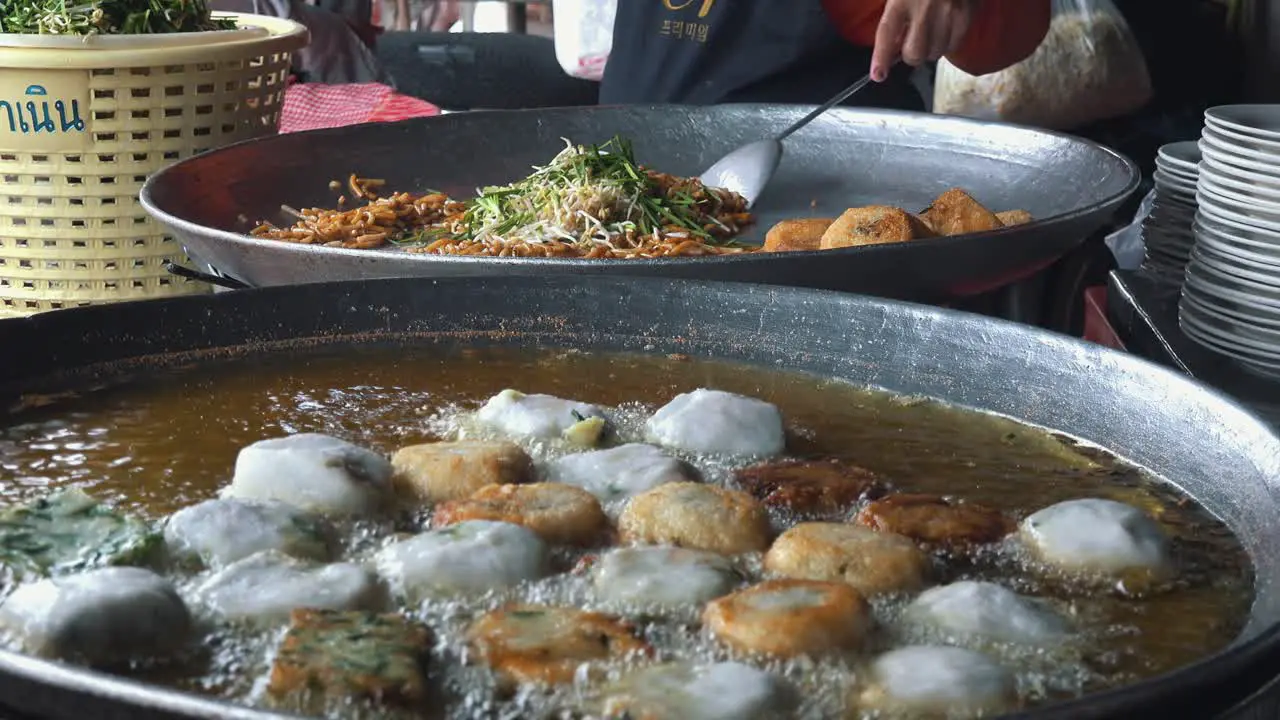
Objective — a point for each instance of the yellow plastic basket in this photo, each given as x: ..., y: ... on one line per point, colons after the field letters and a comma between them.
x: 84, y: 121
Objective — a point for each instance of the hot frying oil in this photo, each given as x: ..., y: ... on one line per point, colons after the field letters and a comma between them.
x: 166, y: 439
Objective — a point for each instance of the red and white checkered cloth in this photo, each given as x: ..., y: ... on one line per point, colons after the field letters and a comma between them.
x: 312, y: 106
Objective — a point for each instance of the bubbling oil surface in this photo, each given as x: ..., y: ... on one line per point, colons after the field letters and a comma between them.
x: 167, y: 439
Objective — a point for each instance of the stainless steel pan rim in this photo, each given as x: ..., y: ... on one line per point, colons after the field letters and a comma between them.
x: 319, y: 136
x: 1115, y: 176
x: 834, y: 335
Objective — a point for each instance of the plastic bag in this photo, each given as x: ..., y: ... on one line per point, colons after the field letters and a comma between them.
x: 584, y: 35
x: 1126, y: 244
x: 1088, y: 68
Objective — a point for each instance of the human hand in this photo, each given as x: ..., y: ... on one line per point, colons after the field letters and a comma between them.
x: 918, y: 30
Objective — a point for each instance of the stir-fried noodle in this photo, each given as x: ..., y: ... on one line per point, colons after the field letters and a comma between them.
x: 589, y: 201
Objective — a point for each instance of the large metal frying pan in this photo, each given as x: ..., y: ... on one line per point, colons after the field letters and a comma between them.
x: 1204, y: 442
x: 849, y: 157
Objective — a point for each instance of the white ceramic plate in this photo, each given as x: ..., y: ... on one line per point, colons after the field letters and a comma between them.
x: 1169, y: 185
x: 1244, y: 334
x: 1260, y: 163
x: 1234, y: 174
x: 1172, y: 201
x: 1262, y: 368
x: 1255, y: 363
x: 1259, y: 191
x: 1245, y: 292
x: 1261, y: 205
x: 1261, y: 277
x: 1253, y: 244
x: 1240, y: 143
x: 1177, y: 171
x: 1228, y: 136
x: 1217, y: 167
x: 1171, y: 246
x: 1260, y: 121
x: 1192, y: 292
x: 1173, y: 213
x: 1263, y: 273
x: 1267, y: 256
x: 1182, y: 155
x: 1177, y: 175
x: 1189, y: 319
x: 1241, y: 213
x: 1217, y: 219
x: 1260, y: 342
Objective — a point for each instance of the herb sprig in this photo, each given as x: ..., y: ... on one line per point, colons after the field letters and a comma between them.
x: 587, y: 193
x: 109, y: 17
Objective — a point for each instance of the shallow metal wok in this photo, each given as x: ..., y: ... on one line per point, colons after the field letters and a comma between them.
x: 1204, y: 442
x: 848, y: 157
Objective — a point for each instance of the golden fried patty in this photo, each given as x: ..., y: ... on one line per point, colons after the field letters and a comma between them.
x: 1009, y: 218
x: 352, y: 655
x: 955, y: 212
x: 786, y: 618
x: 872, y: 562
x: 697, y: 516
x: 560, y: 514
x: 443, y: 471
x: 544, y: 645
x: 874, y: 225
x: 811, y: 488
x: 935, y: 520
x: 797, y: 234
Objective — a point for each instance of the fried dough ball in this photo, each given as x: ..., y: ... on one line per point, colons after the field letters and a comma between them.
x: 872, y: 562
x: 934, y: 681
x: 787, y: 618
x: 697, y: 516
x: 543, y: 645
x: 1101, y: 539
x: 810, y: 488
x: 935, y: 520
x: 560, y: 514
x: 653, y: 577
x: 971, y: 609
x: 620, y: 473
x: 684, y: 691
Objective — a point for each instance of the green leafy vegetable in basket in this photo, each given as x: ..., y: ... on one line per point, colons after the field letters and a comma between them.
x: 108, y: 17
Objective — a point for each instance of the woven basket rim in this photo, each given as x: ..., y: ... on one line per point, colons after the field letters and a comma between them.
x: 97, y: 51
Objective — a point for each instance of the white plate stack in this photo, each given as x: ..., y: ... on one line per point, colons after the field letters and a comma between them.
x: 1231, y: 294
x: 1166, y: 232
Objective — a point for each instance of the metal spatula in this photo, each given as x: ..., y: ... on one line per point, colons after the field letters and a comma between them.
x: 748, y: 169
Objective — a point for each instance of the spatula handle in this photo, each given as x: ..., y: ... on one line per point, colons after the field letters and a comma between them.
x: 844, y: 95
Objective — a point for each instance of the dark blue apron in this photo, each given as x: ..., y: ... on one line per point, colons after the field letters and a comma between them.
x: 702, y: 52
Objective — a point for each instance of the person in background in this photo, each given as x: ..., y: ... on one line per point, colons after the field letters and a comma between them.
x: 423, y: 15
x: 805, y: 51
x: 337, y: 53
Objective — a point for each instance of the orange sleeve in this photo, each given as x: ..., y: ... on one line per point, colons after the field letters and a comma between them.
x: 856, y: 20
x: 1003, y: 32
